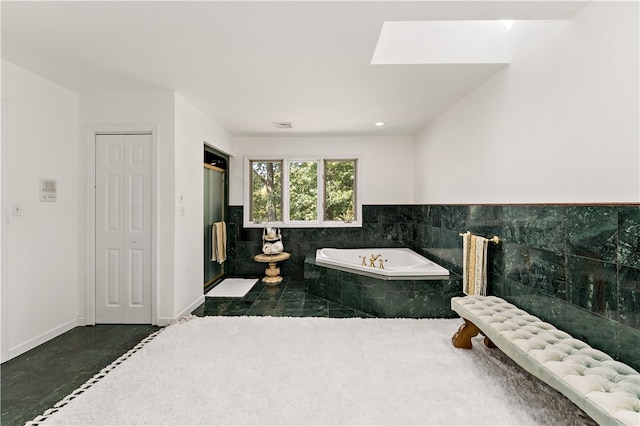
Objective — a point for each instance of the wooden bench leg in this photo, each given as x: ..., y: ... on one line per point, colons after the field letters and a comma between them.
x: 488, y: 343
x: 467, y: 331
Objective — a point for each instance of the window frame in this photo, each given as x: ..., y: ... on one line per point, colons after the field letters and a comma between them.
x: 249, y: 177
x: 286, y: 222
x: 356, y: 198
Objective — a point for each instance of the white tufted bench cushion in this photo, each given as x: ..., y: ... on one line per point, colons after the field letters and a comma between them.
x: 607, y: 390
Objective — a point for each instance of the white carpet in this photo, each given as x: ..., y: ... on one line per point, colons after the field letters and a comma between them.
x: 266, y: 370
x: 232, y: 287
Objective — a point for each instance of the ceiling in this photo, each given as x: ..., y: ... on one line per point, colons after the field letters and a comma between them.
x: 247, y: 65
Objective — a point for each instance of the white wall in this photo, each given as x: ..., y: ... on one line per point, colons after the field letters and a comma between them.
x: 4, y: 226
x: 41, y: 269
x: 386, y: 161
x: 192, y: 129
x: 557, y: 125
x: 120, y: 111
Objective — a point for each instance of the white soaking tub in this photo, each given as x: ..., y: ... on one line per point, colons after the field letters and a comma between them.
x: 395, y: 262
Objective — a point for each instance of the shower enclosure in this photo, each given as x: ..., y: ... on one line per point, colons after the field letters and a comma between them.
x: 215, y: 207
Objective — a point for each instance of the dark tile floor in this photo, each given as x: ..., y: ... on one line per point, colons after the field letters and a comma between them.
x: 287, y: 299
x: 39, y: 378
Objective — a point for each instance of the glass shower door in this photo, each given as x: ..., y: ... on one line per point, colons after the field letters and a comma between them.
x: 213, y: 212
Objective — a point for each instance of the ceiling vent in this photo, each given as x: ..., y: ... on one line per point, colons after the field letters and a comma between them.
x: 283, y: 124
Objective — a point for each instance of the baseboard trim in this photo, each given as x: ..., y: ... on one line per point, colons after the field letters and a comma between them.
x: 164, y: 321
x: 42, y: 338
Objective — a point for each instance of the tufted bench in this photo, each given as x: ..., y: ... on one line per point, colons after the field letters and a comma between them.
x: 607, y: 390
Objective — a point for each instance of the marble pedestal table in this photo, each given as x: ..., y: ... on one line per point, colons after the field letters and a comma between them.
x: 272, y: 272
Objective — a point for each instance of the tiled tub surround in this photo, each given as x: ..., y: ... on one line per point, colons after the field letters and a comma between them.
x: 577, y: 267
x: 380, y: 297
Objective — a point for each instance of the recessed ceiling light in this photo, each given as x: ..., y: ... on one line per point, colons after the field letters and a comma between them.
x: 507, y: 23
x: 379, y: 123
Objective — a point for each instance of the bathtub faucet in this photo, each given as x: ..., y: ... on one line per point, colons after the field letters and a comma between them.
x: 372, y: 260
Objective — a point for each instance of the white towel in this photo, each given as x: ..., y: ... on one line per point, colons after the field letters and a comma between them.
x: 474, y: 264
x: 219, y: 242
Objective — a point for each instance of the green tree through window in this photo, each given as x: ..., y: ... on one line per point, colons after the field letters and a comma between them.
x: 314, y: 192
x: 339, y: 190
x: 266, y: 191
x: 303, y: 190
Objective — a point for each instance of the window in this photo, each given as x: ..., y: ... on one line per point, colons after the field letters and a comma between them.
x: 340, y: 190
x: 266, y: 191
x: 302, y: 193
x: 303, y: 190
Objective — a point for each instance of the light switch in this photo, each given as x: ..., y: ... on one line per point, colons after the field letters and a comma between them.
x: 16, y: 209
x: 181, y: 210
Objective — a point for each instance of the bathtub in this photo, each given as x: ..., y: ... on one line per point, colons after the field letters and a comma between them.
x: 396, y: 262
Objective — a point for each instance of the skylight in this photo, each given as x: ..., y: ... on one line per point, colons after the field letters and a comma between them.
x: 443, y: 42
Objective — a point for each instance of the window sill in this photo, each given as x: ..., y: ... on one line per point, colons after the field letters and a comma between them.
x: 282, y: 225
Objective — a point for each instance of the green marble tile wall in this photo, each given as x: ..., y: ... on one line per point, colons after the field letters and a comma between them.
x: 383, y: 226
x: 577, y: 267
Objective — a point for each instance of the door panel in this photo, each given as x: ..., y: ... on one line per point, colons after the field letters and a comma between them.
x: 214, y: 202
x: 136, y: 284
x: 123, y: 228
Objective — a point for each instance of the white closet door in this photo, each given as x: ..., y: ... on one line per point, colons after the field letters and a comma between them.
x: 123, y: 229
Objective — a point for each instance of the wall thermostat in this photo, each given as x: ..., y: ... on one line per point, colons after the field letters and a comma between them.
x: 48, y: 189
